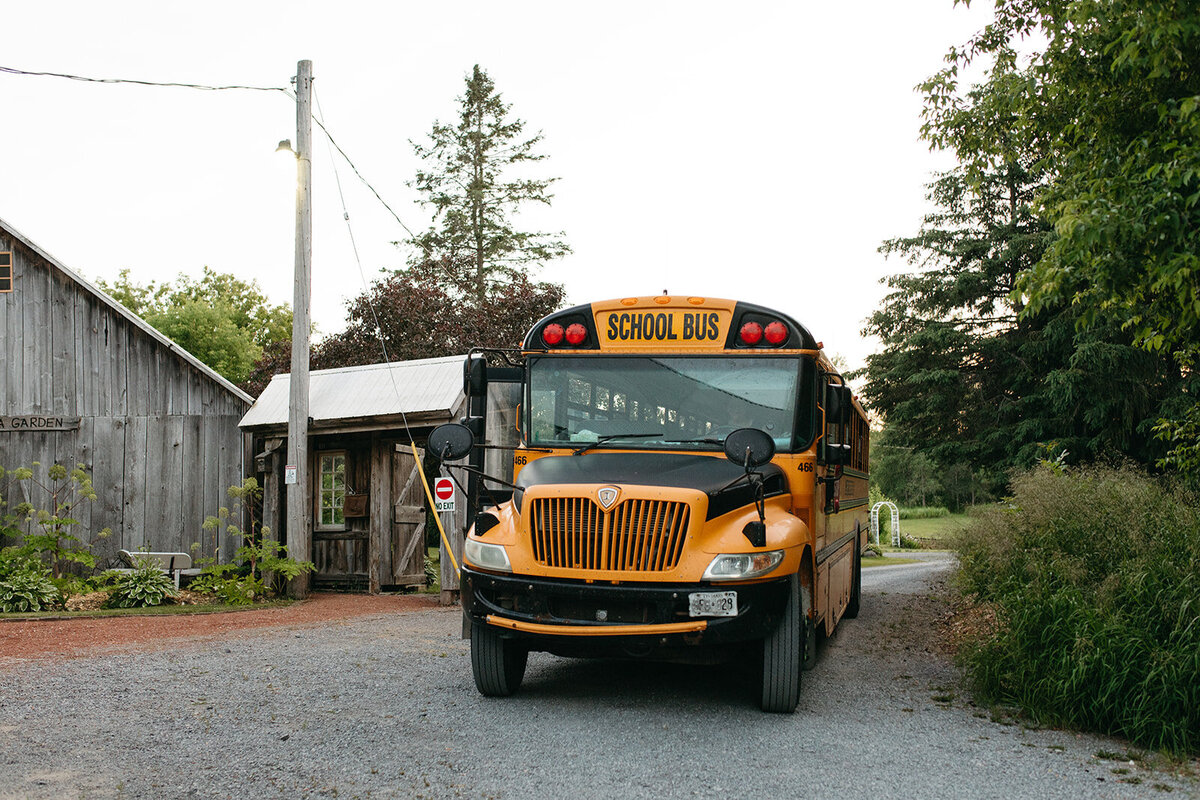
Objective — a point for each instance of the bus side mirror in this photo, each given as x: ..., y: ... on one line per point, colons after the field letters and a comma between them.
x: 450, y: 442
x: 749, y: 447
x: 838, y: 402
x: 837, y: 454
x: 474, y: 376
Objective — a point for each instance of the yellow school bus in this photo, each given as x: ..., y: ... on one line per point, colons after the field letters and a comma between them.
x: 689, y: 482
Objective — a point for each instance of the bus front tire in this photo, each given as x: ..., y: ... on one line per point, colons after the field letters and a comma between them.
x: 497, y: 663
x: 782, y: 656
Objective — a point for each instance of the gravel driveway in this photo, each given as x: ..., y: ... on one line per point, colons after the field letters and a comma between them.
x: 384, y: 706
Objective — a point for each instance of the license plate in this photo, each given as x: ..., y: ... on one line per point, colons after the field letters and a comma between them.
x: 712, y: 604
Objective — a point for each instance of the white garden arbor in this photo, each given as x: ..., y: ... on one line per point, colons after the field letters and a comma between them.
x: 895, y: 522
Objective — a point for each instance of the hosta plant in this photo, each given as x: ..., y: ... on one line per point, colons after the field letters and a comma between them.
x: 146, y: 585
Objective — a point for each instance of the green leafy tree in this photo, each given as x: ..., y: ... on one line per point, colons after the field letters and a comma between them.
x: 1111, y: 100
x: 474, y: 179
x: 903, y: 474
x: 209, y: 333
x: 424, y: 319
x: 222, y: 320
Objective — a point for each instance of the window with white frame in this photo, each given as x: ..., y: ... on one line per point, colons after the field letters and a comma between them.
x: 331, y: 491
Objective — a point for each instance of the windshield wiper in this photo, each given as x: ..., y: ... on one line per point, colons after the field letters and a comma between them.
x: 611, y: 437
x: 706, y: 440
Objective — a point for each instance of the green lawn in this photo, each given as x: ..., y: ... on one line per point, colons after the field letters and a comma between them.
x: 934, y: 533
x: 880, y: 561
x: 935, y: 529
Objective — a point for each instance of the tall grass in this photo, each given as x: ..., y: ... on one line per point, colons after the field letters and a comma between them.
x: 1095, y: 579
x: 923, y: 512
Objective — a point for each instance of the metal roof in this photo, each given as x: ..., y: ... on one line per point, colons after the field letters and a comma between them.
x: 427, y: 388
x: 133, y: 318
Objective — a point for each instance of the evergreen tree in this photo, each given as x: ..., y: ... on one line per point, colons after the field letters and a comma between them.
x: 967, y: 375
x: 474, y: 180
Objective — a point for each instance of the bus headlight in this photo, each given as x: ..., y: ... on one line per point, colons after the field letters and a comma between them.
x: 486, y: 556
x: 740, y: 566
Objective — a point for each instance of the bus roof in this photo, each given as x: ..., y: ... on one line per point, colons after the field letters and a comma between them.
x: 673, y: 323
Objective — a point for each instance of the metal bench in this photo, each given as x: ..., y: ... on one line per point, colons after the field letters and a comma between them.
x: 174, y: 564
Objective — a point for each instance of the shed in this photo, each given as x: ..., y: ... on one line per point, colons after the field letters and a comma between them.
x: 87, y: 381
x: 366, y: 505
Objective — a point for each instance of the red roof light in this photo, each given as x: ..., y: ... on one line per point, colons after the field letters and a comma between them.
x: 576, y: 333
x: 552, y: 334
x: 751, y: 333
x: 776, y: 332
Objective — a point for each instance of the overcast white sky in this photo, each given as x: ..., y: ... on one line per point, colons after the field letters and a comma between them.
x: 759, y: 151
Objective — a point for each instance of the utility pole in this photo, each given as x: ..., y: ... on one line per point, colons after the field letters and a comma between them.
x: 299, y: 507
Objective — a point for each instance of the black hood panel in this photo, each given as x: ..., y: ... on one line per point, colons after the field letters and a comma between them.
x: 674, y: 470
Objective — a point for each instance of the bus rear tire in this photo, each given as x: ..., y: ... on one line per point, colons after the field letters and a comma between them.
x: 782, y: 656
x: 855, y: 585
x: 497, y: 663
x: 810, y: 629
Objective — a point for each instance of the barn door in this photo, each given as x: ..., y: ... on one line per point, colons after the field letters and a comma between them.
x: 408, y: 520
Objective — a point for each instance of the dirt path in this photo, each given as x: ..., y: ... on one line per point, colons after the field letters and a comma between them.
x: 39, y: 639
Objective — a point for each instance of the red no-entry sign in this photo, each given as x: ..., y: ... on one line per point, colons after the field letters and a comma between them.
x: 443, y: 494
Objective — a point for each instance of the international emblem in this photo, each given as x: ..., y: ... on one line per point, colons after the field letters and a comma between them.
x: 607, y: 496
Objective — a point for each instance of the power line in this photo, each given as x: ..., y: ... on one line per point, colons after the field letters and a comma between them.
x: 319, y: 119
x: 366, y: 182
x: 206, y: 87
x: 85, y: 79
x: 211, y: 88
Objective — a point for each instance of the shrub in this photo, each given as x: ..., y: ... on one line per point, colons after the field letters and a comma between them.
x: 259, y: 565
x: 50, y: 531
x: 145, y: 585
x: 431, y: 572
x: 227, y: 583
x: 1095, y: 579
x: 25, y: 584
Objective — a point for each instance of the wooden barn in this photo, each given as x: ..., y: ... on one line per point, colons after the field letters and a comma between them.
x: 87, y: 381
x: 366, y: 509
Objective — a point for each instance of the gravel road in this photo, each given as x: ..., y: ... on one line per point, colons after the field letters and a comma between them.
x: 384, y: 706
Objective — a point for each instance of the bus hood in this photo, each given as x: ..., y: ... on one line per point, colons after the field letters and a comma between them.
x: 714, y: 476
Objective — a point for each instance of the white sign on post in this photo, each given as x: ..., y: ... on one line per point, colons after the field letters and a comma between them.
x: 289, y: 473
x: 443, y: 494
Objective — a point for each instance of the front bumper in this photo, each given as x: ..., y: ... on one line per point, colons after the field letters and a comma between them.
x: 572, y: 616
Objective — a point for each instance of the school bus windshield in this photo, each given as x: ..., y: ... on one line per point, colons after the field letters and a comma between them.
x: 674, y: 402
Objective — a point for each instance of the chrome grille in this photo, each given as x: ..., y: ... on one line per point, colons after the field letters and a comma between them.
x: 635, y: 536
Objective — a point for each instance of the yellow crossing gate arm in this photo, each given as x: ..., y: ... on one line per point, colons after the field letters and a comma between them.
x: 436, y: 516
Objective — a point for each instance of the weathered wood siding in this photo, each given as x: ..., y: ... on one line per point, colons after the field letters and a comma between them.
x: 158, y: 435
